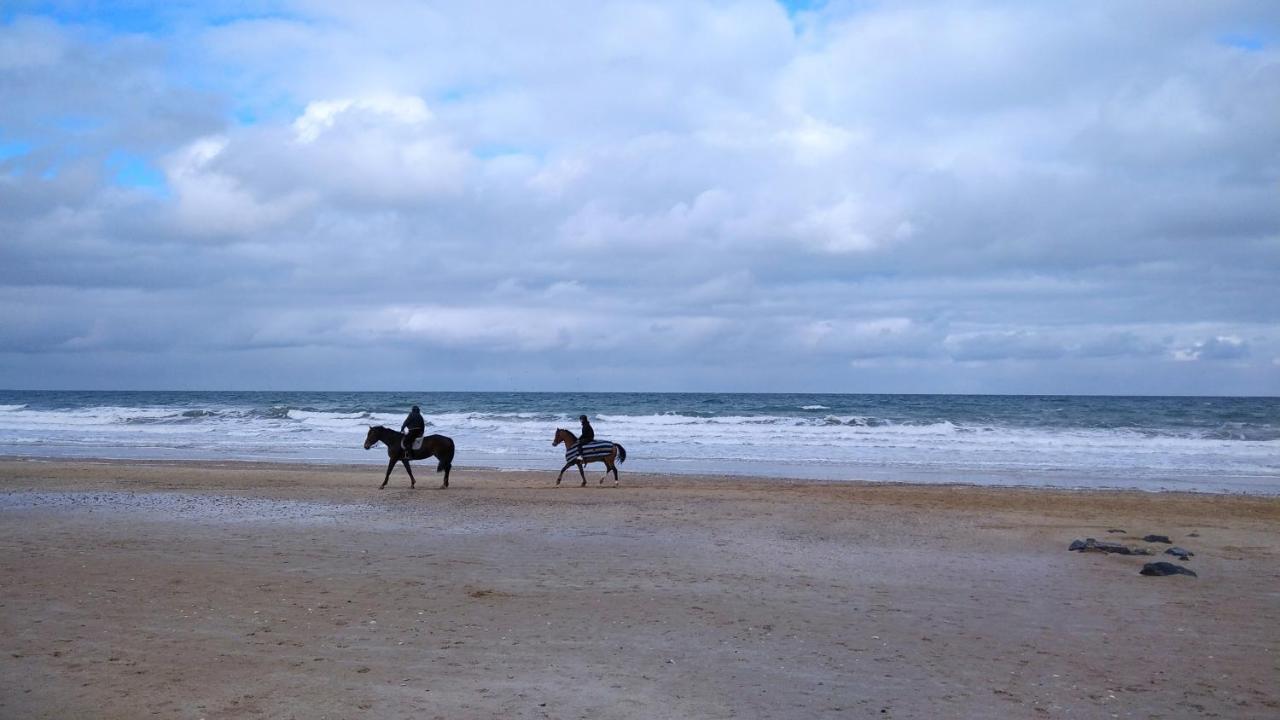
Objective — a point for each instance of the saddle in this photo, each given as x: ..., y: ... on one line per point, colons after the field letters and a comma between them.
x: 417, y: 443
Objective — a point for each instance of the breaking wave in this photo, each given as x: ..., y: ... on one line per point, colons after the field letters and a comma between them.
x: 1123, y: 442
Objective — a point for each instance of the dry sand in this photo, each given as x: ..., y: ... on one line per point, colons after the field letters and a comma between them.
x: 136, y: 590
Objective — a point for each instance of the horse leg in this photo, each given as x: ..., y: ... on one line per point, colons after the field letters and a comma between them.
x: 426, y: 454
x: 390, y: 466
x: 566, y: 467
x: 440, y: 467
x: 413, y: 482
x: 616, y: 482
x: 582, y: 473
x: 446, y: 461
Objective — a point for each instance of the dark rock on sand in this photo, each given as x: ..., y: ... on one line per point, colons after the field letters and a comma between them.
x: 1158, y: 539
x: 1158, y: 569
x: 1114, y: 530
x: 1181, y: 553
x: 1092, y: 545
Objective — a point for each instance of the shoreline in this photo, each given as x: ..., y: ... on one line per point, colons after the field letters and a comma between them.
x: 246, y: 590
x: 426, y: 469
x: 359, y: 483
x: 1225, y: 445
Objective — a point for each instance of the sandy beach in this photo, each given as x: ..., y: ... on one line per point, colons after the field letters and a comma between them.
x: 134, y: 590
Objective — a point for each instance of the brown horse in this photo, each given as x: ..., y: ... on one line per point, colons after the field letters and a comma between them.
x: 598, y: 451
x: 438, y: 445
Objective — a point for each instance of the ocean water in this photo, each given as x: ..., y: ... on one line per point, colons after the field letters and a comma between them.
x: 1151, y: 443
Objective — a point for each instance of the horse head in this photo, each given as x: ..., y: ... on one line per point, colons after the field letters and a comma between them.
x: 372, y: 438
x: 562, y: 436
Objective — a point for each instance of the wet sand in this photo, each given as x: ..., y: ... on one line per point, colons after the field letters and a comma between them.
x: 135, y: 590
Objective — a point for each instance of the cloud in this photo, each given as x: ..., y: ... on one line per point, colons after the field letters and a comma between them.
x: 1222, y: 347
x: 321, y: 116
x: 910, y: 196
x: 1014, y: 344
x: 212, y: 201
x: 1122, y: 343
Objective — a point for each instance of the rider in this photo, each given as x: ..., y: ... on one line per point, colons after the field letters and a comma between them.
x: 587, y: 433
x: 416, y: 427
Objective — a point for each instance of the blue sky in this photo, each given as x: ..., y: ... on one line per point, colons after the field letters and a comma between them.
x: 826, y: 196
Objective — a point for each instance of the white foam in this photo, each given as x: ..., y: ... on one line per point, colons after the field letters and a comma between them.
x: 840, y: 445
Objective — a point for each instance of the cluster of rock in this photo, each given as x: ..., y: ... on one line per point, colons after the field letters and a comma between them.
x: 1152, y: 568
x: 1092, y: 545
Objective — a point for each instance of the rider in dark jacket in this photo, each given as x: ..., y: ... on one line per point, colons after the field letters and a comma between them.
x: 415, y: 425
x: 588, y: 434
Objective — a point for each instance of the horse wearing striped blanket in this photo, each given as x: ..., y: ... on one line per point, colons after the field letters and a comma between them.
x: 596, y: 451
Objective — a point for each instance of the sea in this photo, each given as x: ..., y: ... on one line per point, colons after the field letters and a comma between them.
x: 1202, y: 444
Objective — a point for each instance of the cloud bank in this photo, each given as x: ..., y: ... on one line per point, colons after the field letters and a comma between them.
x: 897, y: 197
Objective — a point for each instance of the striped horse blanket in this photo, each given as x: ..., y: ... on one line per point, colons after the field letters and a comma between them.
x: 594, y: 450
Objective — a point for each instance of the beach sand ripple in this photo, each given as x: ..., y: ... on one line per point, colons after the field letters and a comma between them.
x: 257, y: 590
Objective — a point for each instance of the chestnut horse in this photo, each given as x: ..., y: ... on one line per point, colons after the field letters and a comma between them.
x: 598, y: 451
x: 438, y: 445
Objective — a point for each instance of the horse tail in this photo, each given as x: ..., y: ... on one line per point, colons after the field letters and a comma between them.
x: 446, y: 457
x: 622, y: 452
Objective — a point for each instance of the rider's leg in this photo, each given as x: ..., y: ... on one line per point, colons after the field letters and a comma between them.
x: 407, y: 443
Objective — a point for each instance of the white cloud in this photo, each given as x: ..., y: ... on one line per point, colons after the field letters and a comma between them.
x: 213, y: 202
x: 883, y: 337
x: 557, y: 177
x: 814, y: 141
x: 321, y: 115
x: 703, y: 220
x: 836, y: 229
x: 931, y: 191
x: 1222, y: 347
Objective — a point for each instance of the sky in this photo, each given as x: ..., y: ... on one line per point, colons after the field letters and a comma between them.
x: 909, y: 196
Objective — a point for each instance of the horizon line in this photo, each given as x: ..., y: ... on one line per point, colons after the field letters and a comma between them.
x: 650, y: 392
